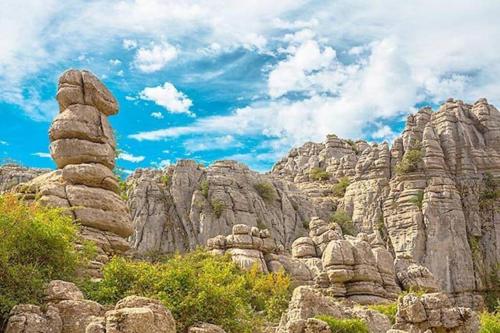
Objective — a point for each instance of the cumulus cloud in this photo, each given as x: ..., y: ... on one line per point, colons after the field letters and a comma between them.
x: 169, y: 97
x: 155, y: 57
x: 157, y: 115
x: 130, y: 157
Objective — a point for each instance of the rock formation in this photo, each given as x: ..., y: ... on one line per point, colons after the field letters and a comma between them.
x: 84, y: 148
x: 433, y: 195
x: 66, y: 311
x: 181, y: 207
x: 13, y: 174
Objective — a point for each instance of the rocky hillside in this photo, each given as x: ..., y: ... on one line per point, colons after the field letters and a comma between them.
x: 433, y: 194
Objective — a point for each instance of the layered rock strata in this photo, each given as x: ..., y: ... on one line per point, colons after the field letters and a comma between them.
x: 433, y: 195
x: 83, y: 147
x: 181, y: 207
x: 13, y: 174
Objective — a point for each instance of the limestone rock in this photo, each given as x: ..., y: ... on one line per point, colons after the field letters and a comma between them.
x: 205, y: 328
x: 26, y: 318
x: 13, y: 174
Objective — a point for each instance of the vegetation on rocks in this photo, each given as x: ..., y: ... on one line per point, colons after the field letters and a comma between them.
x: 339, y: 189
x: 490, y: 194
x: 204, y: 188
x: 490, y: 322
x: 389, y: 309
x: 418, y: 199
x: 319, y: 174
x: 165, y: 179
x: 217, y: 207
x: 266, y: 191
x: 410, y: 162
x: 198, y: 287
x: 345, y: 325
x: 37, y: 245
x: 344, y: 221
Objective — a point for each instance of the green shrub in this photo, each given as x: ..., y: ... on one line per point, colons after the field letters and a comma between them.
x: 204, y: 188
x: 37, y: 245
x: 410, y: 162
x: 389, y: 310
x: 318, y: 174
x: 217, y: 207
x: 345, y: 325
x: 490, y: 193
x: 165, y: 179
x: 198, y: 287
x: 418, y: 199
x: 266, y: 191
x: 490, y: 322
x: 344, y: 221
x: 339, y: 189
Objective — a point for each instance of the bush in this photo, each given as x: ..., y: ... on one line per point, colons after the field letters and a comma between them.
x: 418, y: 199
x: 490, y: 322
x: 204, y: 188
x: 217, y: 207
x: 37, y: 245
x: 345, y: 325
x: 165, y: 179
x: 340, y: 188
x: 198, y: 287
x: 344, y: 221
x: 318, y: 174
x: 410, y: 162
x: 389, y: 310
x: 490, y: 193
x: 266, y: 191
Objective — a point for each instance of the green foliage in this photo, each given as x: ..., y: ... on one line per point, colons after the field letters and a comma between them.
x: 418, y: 199
x: 490, y: 322
x: 305, y: 225
x: 204, y: 188
x: 410, y: 162
x: 266, y: 191
x: 318, y: 174
x: 474, y: 245
x: 123, y: 189
x: 198, y: 287
x: 261, y: 224
x: 414, y: 291
x: 345, y: 325
x: 37, y: 244
x: 389, y: 309
x: 344, y: 221
x: 490, y: 193
x: 340, y: 188
x: 165, y: 179
x: 492, y: 297
x: 353, y: 145
x: 217, y: 207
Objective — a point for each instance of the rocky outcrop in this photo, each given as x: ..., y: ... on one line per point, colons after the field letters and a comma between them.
x: 357, y: 268
x: 66, y: 311
x: 13, y: 174
x: 434, y: 313
x: 181, y: 207
x: 206, y: 328
x: 84, y: 148
x: 307, y: 303
x: 433, y: 195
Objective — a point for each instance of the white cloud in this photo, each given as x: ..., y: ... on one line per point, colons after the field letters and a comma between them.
x: 211, y: 143
x: 155, y: 57
x: 161, y: 164
x: 4, y: 143
x: 130, y: 157
x: 129, y: 44
x: 169, y: 97
x: 42, y: 155
x: 115, y: 62
x: 157, y: 115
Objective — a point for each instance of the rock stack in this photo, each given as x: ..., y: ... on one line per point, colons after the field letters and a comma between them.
x: 84, y: 149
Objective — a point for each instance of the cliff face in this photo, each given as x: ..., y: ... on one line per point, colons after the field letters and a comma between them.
x: 184, y: 205
x: 433, y: 194
x: 13, y: 174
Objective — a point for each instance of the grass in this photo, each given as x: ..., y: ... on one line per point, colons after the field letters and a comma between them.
x: 266, y: 191
x: 339, y: 189
x: 344, y: 325
x: 319, y: 174
x: 344, y: 221
x: 389, y: 310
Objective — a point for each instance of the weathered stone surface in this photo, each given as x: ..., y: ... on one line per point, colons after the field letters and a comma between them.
x: 76, y: 151
x: 13, y: 174
x: 58, y: 290
x: 93, y: 175
x: 206, y: 328
x: 26, y: 318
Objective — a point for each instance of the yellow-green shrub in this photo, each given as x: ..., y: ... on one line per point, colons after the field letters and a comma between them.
x: 410, y: 162
x: 490, y: 322
x: 344, y: 221
x: 198, y: 287
x: 318, y: 174
x: 389, y: 310
x: 345, y: 325
x: 266, y: 191
x: 37, y: 244
x: 339, y: 189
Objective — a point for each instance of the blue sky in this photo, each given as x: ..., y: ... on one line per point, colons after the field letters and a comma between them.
x: 246, y: 80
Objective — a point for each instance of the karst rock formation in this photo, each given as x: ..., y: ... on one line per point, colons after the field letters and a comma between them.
x: 84, y: 149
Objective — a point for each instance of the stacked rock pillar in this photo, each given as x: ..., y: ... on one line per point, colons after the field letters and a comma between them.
x: 84, y: 149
